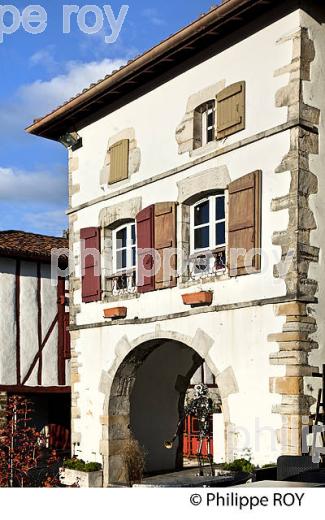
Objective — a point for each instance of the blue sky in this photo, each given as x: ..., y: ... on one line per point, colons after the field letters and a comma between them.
x: 39, y: 72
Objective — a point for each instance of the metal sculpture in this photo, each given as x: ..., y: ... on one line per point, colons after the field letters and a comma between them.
x: 201, y: 407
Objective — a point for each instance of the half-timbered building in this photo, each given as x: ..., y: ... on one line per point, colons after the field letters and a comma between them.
x: 34, y: 342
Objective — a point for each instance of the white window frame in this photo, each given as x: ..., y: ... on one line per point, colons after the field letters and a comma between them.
x: 203, y: 111
x: 212, y: 224
x: 129, y: 247
x: 213, y: 247
x: 205, y: 128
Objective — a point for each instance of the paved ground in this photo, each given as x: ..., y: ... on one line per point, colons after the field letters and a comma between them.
x: 189, y: 478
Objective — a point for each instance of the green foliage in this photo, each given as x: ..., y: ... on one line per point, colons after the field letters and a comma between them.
x: 270, y: 465
x: 240, y: 465
x: 81, y: 465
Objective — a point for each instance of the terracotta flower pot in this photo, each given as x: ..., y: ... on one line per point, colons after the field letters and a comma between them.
x: 198, y: 298
x: 115, y: 312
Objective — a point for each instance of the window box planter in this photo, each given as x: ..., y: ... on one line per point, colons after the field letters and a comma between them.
x: 198, y: 298
x: 82, y: 479
x: 115, y: 313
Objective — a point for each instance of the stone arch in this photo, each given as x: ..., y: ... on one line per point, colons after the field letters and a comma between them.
x: 117, y: 385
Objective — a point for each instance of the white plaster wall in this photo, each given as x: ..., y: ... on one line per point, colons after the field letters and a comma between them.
x: 265, y: 155
x: 156, y: 115
x: 28, y: 320
x: 239, y: 340
x: 7, y: 322
x: 49, y: 311
x: 314, y: 95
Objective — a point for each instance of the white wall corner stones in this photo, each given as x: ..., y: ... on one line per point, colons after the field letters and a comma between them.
x: 134, y: 155
x: 294, y: 341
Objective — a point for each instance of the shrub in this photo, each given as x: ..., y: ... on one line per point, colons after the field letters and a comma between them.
x: 134, y: 462
x: 240, y: 465
x: 24, y: 459
x: 81, y: 465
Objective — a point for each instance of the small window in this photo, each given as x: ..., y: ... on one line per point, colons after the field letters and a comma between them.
x: 119, y: 161
x: 124, y: 259
x: 204, y: 124
x: 208, y: 235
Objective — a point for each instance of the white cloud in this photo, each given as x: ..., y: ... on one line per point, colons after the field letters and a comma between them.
x: 45, y: 95
x: 44, y: 58
x: 32, y: 187
x: 40, y: 97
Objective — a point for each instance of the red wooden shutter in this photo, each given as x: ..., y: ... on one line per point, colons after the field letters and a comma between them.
x: 145, y: 241
x: 90, y: 264
x: 165, y: 242
x: 245, y: 223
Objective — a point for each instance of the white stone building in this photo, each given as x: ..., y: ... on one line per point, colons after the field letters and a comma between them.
x: 35, y: 350
x: 209, y: 142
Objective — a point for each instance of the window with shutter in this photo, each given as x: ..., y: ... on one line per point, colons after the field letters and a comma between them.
x: 245, y: 224
x: 231, y: 110
x: 119, y: 161
x: 165, y: 243
x: 90, y: 264
x: 145, y: 247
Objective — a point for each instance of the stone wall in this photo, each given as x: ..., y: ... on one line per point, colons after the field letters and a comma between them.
x: 298, y: 252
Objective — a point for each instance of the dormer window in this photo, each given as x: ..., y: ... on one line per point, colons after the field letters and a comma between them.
x: 204, y: 124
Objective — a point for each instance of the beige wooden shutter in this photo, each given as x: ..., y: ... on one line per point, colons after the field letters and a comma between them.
x: 231, y: 110
x: 165, y: 242
x: 244, y: 224
x: 119, y: 161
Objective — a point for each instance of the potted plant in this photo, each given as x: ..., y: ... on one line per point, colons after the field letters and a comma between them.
x: 78, y: 473
x: 198, y: 298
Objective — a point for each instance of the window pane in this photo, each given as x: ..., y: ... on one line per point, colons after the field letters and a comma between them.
x: 134, y: 256
x: 201, y: 238
x: 210, y: 135
x: 220, y: 208
x: 121, y: 259
x: 220, y: 233
x: 121, y: 238
x: 210, y: 119
x: 133, y: 234
x: 201, y: 214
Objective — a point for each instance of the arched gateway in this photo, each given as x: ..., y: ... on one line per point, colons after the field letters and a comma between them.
x: 145, y: 398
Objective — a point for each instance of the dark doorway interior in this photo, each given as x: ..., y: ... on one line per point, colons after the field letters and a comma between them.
x: 51, y: 415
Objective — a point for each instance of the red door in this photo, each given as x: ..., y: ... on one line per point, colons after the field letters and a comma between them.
x: 191, y: 439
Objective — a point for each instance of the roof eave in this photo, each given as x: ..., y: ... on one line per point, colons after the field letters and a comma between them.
x: 231, y: 10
